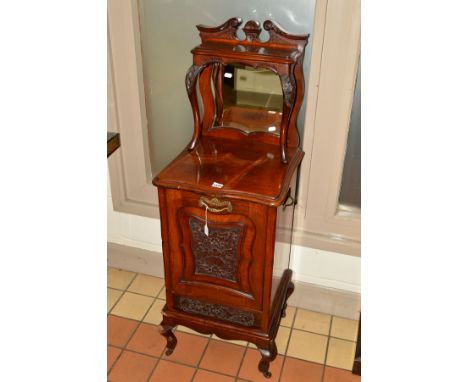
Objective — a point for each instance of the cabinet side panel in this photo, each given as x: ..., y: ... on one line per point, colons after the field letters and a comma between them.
x: 165, y: 243
x: 283, y: 239
x: 270, y: 229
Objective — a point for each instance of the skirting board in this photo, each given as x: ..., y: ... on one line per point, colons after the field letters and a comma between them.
x: 135, y: 259
x: 306, y: 295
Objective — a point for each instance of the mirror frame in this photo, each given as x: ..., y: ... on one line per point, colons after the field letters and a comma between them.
x: 283, y: 53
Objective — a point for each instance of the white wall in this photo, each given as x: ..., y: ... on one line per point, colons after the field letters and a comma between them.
x: 327, y: 269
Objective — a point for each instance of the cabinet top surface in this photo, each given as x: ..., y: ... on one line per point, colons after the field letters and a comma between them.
x: 248, y: 170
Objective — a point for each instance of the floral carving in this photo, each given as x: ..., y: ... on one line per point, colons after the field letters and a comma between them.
x: 289, y: 89
x: 215, y: 255
x: 191, y: 77
x: 218, y: 311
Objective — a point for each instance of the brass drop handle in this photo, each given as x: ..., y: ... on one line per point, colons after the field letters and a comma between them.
x: 215, y: 205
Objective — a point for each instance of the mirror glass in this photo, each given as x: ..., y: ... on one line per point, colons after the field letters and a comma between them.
x: 249, y: 99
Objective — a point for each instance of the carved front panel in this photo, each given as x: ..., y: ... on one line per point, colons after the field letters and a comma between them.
x: 226, y: 265
x: 217, y: 254
x: 218, y: 311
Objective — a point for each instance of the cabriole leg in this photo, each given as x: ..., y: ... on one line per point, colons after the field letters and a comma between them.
x: 268, y: 355
x: 171, y: 339
x: 289, y: 292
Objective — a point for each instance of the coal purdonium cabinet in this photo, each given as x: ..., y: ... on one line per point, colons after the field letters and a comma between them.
x: 227, y: 201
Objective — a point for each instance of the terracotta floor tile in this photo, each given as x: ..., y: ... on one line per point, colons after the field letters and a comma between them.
x: 119, y: 330
x: 189, y: 349
x: 307, y: 346
x: 132, y: 367
x: 207, y: 376
x: 296, y: 370
x: 339, y: 375
x: 312, y: 321
x: 172, y: 372
x: 147, y: 285
x: 181, y: 328
x: 344, y: 328
x: 112, y: 297
x: 119, y: 279
x: 222, y: 357
x: 112, y: 354
x: 147, y: 340
x: 132, y: 306
x: 154, y: 315
x: 249, y: 368
x: 288, y: 320
x: 341, y: 353
x: 162, y: 294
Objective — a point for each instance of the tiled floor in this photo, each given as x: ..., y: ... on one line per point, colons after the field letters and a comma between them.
x: 312, y: 347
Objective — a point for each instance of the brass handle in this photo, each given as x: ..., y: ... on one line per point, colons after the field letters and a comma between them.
x: 209, y: 203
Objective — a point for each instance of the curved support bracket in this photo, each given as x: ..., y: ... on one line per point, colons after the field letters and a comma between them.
x: 190, y: 81
x: 218, y: 75
x: 288, y: 84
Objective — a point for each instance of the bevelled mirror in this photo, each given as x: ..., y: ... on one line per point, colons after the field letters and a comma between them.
x: 248, y: 99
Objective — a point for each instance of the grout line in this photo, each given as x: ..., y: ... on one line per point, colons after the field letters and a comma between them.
x: 131, y: 335
x: 287, y: 327
x: 210, y: 338
x: 326, y: 350
x: 117, y: 301
x: 146, y: 313
x: 197, y: 367
x: 124, y: 348
x: 214, y: 371
x: 115, y: 360
x: 131, y: 281
x: 323, y: 335
x: 136, y: 328
x: 287, y: 345
x: 202, y: 356
x: 123, y: 292
x: 154, y: 368
x: 241, y: 362
x: 145, y: 295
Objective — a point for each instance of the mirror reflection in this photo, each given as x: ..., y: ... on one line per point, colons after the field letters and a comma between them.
x: 248, y: 99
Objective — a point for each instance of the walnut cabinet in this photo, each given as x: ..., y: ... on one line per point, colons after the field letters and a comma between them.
x: 229, y: 196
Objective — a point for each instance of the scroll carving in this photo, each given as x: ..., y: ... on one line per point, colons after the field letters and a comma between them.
x: 218, y: 311
x: 252, y: 29
x: 279, y: 36
x: 215, y: 255
x: 227, y: 30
